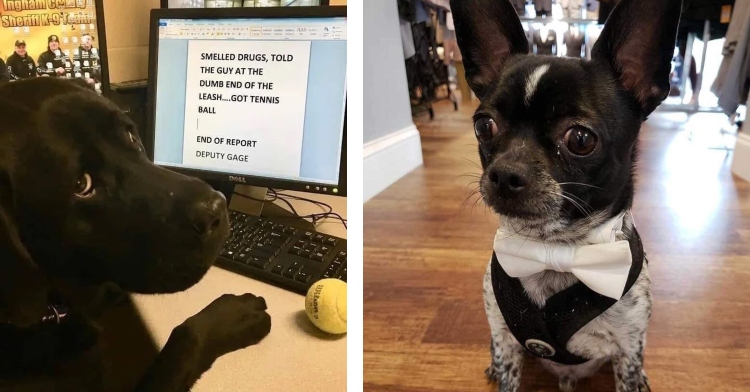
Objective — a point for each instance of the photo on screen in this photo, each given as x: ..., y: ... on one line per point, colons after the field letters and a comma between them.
x: 50, y: 38
x: 241, y: 3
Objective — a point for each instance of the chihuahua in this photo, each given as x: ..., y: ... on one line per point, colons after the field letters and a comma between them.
x: 568, y: 281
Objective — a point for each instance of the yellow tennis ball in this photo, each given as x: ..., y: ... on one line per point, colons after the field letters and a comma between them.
x: 325, y: 305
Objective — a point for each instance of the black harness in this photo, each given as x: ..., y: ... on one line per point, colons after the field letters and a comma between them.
x: 545, y: 331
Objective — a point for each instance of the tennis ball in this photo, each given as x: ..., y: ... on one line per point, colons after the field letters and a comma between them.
x: 325, y: 305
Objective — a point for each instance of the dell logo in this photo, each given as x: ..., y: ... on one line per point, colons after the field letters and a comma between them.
x: 237, y: 179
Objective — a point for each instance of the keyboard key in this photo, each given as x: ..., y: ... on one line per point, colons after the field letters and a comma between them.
x: 331, y: 241
x: 290, y: 231
x: 304, y: 253
x: 317, y: 256
x: 302, y: 277
x: 319, y: 238
x: 267, y: 248
x: 289, y: 273
x: 324, y: 249
x: 277, y: 269
x: 277, y: 243
x: 311, y: 246
x: 308, y: 235
x: 342, y: 255
x: 277, y: 235
x: 257, y: 262
x: 263, y: 255
x: 301, y: 243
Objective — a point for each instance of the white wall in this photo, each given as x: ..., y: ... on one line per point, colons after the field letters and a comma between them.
x: 392, y: 145
x: 741, y: 158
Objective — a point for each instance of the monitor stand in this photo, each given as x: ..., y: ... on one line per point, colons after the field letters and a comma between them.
x: 257, y: 208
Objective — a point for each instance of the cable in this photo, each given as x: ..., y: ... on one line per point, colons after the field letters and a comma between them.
x: 315, y: 217
x: 273, y: 195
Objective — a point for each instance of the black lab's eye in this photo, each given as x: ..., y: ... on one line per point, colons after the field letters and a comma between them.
x: 134, y: 140
x: 85, y: 186
x: 580, y: 141
x: 485, y: 128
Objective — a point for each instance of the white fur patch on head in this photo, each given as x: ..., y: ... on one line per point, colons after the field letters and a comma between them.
x: 533, y: 80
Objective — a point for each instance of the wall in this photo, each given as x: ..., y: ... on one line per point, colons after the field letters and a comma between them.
x: 127, y: 24
x: 741, y: 156
x: 392, y: 145
x: 386, y: 96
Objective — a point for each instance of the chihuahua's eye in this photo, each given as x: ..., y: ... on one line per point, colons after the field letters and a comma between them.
x: 580, y: 141
x: 85, y: 186
x: 485, y: 128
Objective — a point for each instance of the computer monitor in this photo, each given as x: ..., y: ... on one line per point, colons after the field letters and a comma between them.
x: 251, y: 96
x: 59, y: 39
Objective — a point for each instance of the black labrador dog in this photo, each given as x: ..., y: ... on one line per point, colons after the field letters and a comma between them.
x: 85, y: 216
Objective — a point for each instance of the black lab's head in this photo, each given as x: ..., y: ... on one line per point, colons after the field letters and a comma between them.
x: 557, y: 136
x: 80, y: 199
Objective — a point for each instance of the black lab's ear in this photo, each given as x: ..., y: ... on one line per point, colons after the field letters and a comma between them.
x: 488, y: 33
x: 638, y: 43
x: 23, y: 288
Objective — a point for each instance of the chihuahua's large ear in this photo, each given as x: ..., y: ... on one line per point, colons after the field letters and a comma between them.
x: 638, y: 42
x: 488, y: 33
x: 23, y: 288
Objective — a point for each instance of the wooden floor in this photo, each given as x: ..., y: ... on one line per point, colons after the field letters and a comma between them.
x: 426, y: 249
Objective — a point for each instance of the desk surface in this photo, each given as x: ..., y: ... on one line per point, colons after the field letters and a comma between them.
x: 295, y: 356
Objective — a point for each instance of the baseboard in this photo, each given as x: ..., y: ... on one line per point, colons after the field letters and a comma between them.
x: 389, y: 158
x: 741, y: 159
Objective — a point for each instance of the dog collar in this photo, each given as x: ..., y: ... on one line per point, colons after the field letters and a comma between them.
x: 56, y: 314
x: 545, y: 331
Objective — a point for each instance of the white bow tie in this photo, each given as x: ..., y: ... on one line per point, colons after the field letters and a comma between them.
x: 603, y: 264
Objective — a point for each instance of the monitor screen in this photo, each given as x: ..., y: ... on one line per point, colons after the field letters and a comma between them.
x: 263, y: 98
x: 50, y: 38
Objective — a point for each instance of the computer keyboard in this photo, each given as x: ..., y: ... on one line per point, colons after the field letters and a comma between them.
x: 289, y: 257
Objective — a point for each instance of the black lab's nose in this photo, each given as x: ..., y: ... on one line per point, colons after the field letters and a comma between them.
x: 208, y: 213
x: 509, y: 180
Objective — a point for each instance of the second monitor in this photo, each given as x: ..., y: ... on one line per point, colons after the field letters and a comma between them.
x: 254, y: 96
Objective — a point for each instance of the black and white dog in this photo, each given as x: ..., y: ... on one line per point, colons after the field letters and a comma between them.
x: 568, y: 281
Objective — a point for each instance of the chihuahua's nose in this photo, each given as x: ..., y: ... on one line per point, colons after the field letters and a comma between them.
x: 208, y: 213
x: 509, y: 180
